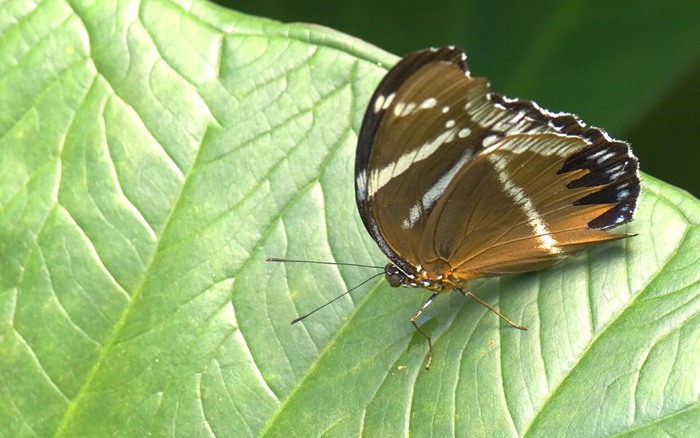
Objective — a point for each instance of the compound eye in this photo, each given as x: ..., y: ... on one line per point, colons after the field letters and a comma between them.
x: 394, y: 276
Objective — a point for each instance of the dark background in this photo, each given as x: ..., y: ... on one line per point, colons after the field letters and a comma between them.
x: 630, y: 67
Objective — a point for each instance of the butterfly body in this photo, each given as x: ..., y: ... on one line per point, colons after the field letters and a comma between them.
x: 440, y: 283
x: 455, y: 182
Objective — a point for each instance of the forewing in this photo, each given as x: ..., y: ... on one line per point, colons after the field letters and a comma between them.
x: 414, y: 132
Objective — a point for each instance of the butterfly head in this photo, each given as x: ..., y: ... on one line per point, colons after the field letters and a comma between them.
x: 437, y: 283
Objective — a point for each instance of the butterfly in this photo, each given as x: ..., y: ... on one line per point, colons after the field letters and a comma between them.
x: 455, y: 182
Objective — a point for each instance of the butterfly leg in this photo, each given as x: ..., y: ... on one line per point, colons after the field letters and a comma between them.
x: 413, y: 321
x: 469, y: 294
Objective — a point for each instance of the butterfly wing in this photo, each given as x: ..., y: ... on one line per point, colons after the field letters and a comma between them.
x: 451, y: 178
x: 394, y: 162
x: 522, y: 214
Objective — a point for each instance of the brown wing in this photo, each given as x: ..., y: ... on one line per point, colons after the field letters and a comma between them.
x: 425, y: 133
x: 509, y: 210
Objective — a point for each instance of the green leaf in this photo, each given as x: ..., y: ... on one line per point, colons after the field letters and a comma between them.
x: 153, y: 154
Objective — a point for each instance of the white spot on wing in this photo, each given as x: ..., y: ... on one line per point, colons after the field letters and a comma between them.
x: 379, y: 103
x: 450, y: 124
x: 389, y: 99
x: 361, y: 184
x: 464, y: 132
x: 604, y: 157
x: 622, y: 195
x: 428, y: 103
x: 429, y: 148
x: 596, y: 155
x: 489, y: 140
x: 408, y: 109
x: 413, y: 217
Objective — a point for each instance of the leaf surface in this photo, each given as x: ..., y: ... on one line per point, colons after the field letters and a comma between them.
x: 153, y: 154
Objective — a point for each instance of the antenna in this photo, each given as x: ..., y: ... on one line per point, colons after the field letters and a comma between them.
x: 338, y: 297
x: 274, y: 259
